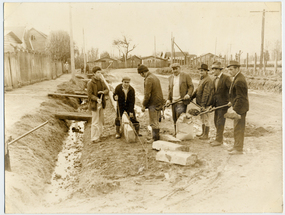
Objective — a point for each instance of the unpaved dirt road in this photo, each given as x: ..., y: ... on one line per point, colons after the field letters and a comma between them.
x: 251, y: 182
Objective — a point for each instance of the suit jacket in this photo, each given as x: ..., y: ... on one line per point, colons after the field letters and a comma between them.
x: 93, y: 87
x: 127, y: 105
x: 239, y: 94
x: 221, y: 94
x: 204, y: 92
x: 152, y: 92
x: 185, y: 87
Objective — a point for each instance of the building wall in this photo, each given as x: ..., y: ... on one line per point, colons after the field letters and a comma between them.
x: 39, y: 40
x: 8, y: 39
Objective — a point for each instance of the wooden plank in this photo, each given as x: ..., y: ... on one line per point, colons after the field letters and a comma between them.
x: 68, y: 95
x: 79, y: 116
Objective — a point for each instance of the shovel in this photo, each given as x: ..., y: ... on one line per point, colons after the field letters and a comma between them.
x: 212, y: 109
x: 100, y: 104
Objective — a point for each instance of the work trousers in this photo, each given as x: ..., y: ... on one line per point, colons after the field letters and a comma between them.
x: 97, y: 124
x: 177, y: 110
x: 205, y: 119
x: 239, y: 127
x: 219, y: 121
x: 154, y: 116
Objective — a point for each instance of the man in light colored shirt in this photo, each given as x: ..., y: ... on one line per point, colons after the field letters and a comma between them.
x: 179, y: 92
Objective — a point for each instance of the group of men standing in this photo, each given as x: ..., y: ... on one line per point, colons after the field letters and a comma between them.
x: 221, y: 92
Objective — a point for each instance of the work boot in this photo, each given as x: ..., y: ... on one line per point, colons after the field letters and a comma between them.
x: 117, y: 136
x: 206, y: 134
x: 137, y: 128
x: 155, y: 134
x: 203, y: 131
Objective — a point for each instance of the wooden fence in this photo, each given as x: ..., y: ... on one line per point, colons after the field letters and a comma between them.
x: 23, y: 68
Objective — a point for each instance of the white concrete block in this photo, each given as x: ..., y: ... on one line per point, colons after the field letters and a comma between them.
x: 177, y: 157
x: 169, y: 138
x: 129, y: 133
x: 164, y: 145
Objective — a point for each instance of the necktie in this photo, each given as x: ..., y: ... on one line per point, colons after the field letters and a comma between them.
x: 216, y: 83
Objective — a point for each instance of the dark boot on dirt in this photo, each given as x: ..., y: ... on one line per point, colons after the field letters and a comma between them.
x: 206, y: 134
x: 203, y: 131
x: 117, y: 136
x: 156, y: 134
x: 137, y: 129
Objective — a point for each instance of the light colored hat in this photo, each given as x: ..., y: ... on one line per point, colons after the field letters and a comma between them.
x: 126, y: 78
x: 233, y: 63
x: 174, y: 65
x: 217, y: 65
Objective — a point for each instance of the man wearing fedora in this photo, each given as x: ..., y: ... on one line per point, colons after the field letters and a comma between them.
x: 222, y: 84
x: 125, y: 96
x: 180, y: 87
x: 153, y: 99
x: 203, y: 95
x: 239, y: 102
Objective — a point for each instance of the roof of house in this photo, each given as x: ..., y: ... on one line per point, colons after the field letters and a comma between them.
x: 12, y: 34
x: 103, y: 59
x: 41, y: 33
x: 19, y: 31
x: 151, y: 56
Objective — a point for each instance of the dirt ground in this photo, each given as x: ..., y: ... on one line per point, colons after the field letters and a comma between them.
x: 112, y: 176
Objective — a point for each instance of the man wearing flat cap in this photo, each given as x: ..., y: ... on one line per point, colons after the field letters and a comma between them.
x: 125, y: 96
x: 222, y: 84
x: 239, y: 102
x: 96, y: 91
x: 153, y: 99
x: 203, y: 95
x: 180, y: 90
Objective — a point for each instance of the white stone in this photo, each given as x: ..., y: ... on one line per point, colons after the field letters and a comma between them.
x: 164, y: 145
x: 177, y: 157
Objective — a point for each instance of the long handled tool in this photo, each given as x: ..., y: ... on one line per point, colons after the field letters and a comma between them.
x: 212, y: 109
x: 7, y: 157
x: 132, y: 126
x: 100, y: 104
x: 120, y: 118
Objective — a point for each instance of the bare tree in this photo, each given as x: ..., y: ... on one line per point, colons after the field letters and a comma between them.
x: 104, y: 54
x: 124, y: 46
x: 93, y: 54
x: 58, y: 45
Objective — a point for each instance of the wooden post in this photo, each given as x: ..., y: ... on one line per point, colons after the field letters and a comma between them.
x: 72, y: 65
x: 246, y: 60
x: 264, y: 68
x: 254, y: 69
x: 275, y: 66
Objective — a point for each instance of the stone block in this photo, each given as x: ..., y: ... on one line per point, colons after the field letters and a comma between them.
x: 169, y: 138
x: 128, y: 131
x: 177, y: 157
x: 164, y: 145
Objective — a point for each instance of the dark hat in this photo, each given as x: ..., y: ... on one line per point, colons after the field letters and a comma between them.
x: 233, y: 63
x: 95, y: 69
x: 204, y: 66
x: 175, y: 65
x: 142, y: 68
x: 126, y: 79
x: 217, y: 65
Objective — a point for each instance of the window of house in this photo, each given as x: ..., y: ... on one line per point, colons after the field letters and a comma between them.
x: 33, y: 37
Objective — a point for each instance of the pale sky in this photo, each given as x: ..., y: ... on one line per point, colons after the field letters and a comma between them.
x: 198, y: 28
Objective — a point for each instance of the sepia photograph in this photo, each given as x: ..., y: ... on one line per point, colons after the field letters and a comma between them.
x: 142, y: 107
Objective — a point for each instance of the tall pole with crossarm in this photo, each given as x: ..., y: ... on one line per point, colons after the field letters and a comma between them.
x: 262, y: 35
x: 72, y: 65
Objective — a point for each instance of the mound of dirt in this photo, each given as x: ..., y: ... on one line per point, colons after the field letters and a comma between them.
x: 33, y: 157
x: 250, y: 131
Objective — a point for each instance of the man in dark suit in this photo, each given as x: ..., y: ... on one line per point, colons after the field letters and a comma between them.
x: 222, y: 84
x: 125, y: 96
x: 180, y: 87
x: 240, y: 104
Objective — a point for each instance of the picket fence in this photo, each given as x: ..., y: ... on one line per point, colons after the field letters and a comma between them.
x: 23, y: 68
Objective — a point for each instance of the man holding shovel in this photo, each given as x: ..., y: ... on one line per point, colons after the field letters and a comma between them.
x: 153, y: 99
x: 203, y: 95
x: 96, y: 89
x: 125, y: 96
x: 222, y: 84
x: 240, y: 105
x: 180, y: 90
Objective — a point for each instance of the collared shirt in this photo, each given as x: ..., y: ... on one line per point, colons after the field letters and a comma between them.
x: 176, y: 87
x: 125, y: 90
x: 217, y: 80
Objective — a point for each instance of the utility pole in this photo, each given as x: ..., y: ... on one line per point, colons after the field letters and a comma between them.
x: 154, y: 52
x: 72, y: 66
x: 216, y: 46
x: 171, y: 59
x: 84, y: 52
x: 262, y: 34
